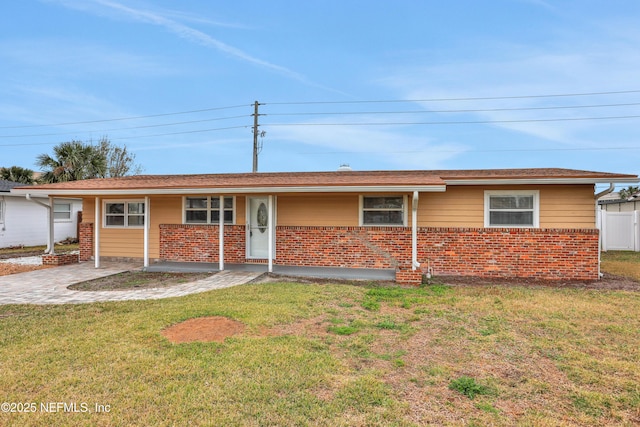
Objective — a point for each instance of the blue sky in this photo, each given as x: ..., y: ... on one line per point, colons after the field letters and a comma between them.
x: 402, y: 84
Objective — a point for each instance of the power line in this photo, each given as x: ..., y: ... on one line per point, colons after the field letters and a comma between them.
x: 132, y: 137
x: 126, y: 128
x: 497, y: 150
x: 321, y: 102
x: 454, y: 122
x: 125, y: 118
x: 456, y: 99
x: 561, y: 107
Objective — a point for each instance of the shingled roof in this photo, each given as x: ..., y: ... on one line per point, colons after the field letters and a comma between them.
x: 6, y: 186
x: 299, y: 181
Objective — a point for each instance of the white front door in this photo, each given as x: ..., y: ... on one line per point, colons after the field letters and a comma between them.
x: 258, y: 223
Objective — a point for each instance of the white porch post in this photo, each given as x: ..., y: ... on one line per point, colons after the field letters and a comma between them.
x: 221, y: 235
x: 270, y: 229
x: 51, y: 227
x: 96, y: 234
x: 147, y: 214
x: 414, y: 232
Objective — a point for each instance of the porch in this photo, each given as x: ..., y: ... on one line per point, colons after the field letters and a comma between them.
x: 337, y: 273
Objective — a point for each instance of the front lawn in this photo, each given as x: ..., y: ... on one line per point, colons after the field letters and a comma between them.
x: 621, y: 263
x: 330, y: 355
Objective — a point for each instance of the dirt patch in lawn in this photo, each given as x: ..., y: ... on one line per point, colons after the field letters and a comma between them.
x: 203, y: 329
x: 131, y: 280
x: 609, y: 282
x: 7, y: 268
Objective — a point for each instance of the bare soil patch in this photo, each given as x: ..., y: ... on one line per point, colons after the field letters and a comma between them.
x: 609, y: 282
x: 203, y: 329
x: 130, y: 280
x: 6, y: 268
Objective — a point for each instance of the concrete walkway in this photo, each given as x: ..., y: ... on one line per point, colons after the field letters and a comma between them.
x: 49, y: 286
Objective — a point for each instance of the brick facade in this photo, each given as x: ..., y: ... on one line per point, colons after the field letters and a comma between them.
x: 562, y: 254
x: 85, y: 237
x: 59, y: 259
x: 199, y: 243
x: 567, y: 254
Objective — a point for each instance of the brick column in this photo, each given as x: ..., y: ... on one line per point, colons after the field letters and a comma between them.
x: 85, y: 238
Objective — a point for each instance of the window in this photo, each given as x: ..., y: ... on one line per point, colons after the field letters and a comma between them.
x: 1, y: 211
x: 206, y: 210
x: 511, y: 209
x: 62, y: 211
x: 383, y: 210
x: 124, y: 214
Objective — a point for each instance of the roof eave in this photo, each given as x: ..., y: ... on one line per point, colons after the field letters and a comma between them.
x: 528, y: 181
x: 237, y: 190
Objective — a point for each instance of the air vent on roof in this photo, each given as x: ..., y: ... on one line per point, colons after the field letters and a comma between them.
x: 344, y: 168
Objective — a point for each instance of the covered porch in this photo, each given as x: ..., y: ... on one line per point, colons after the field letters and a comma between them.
x: 337, y: 273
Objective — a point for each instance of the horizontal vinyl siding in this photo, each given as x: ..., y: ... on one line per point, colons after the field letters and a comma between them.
x: 564, y: 206
x: 122, y: 242
x: 561, y: 206
x: 457, y: 207
x: 88, y: 209
x: 164, y: 210
x: 319, y: 210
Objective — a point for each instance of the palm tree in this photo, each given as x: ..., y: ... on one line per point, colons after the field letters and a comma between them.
x: 628, y: 192
x: 17, y: 174
x: 72, y: 161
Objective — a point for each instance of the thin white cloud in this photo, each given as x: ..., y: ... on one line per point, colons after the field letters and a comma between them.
x: 391, y: 145
x: 77, y: 58
x: 584, y: 66
x: 181, y: 30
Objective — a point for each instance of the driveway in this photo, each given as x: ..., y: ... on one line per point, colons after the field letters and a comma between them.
x: 49, y: 286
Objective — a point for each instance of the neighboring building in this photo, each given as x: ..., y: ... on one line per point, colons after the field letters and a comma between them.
x: 536, y: 223
x: 613, y: 203
x: 24, y: 222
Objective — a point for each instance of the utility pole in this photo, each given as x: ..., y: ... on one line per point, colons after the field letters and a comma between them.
x: 255, y: 137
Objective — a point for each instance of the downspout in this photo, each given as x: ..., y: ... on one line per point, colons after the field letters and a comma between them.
x: 597, y: 196
x: 50, y: 245
x: 612, y: 186
x: 221, y: 235
x: 271, y: 231
x: 147, y: 214
x: 414, y: 232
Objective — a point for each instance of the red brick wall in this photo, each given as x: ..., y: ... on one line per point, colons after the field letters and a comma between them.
x: 541, y: 253
x: 490, y: 252
x: 570, y: 254
x: 360, y: 247
x: 199, y: 243
x: 59, y: 259
x: 85, y: 237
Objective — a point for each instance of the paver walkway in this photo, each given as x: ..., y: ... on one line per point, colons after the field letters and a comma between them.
x: 49, y: 286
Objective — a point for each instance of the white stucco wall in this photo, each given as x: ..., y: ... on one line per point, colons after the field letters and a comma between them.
x: 26, y: 223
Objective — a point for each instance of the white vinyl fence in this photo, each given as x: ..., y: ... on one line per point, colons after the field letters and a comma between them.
x: 619, y: 231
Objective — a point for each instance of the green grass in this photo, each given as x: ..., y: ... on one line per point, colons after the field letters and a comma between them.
x: 621, y: 263
x: 41, y: 249
x: 541, y: 354
x: 468, y: 386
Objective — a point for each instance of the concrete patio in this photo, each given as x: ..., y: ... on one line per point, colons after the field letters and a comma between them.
x: 49, y: 286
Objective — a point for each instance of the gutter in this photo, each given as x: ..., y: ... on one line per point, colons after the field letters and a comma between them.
x: 69, y: 193
x: 50, y: 245
x: 605, y: 192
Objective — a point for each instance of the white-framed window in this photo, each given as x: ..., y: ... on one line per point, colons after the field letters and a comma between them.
x: 517, y: 208
x: 123, y: 213
x: 383, y: 210
x: 2, y: 208
x: 61, y: 211
x: 206, y: 210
